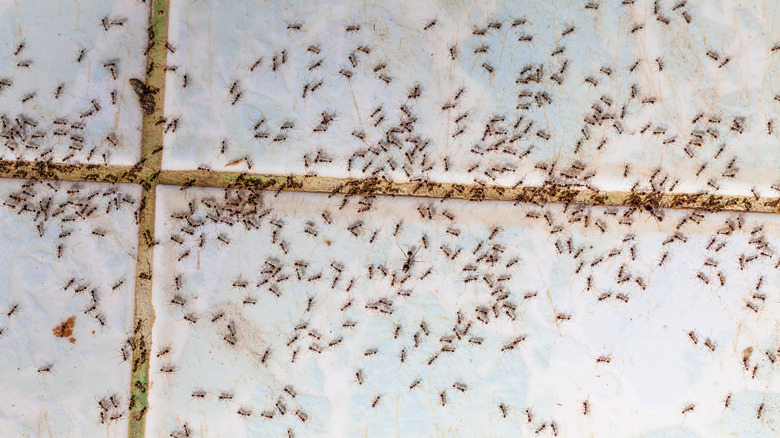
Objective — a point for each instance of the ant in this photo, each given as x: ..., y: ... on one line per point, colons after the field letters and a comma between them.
x: 14, y: 307
x: 410, y: 254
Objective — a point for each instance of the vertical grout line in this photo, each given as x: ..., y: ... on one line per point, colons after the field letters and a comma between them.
x: 152, y: 105
x: 143, y: 317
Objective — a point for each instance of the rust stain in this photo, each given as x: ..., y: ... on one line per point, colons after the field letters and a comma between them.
x: 65, y: 329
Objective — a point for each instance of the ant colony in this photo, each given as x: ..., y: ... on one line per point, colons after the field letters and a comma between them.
x: 399, y: 316
x: 67, y: 272
x: 64, y: 88
x: 68, y: 249
x: 640, y: 95
x: 284, y: 313
x: 333, y: 315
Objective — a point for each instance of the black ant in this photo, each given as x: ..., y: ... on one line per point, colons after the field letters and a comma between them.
x: 409, y: 259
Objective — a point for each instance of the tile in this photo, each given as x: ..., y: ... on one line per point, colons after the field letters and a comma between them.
x: 509, y: 92
x: 64, y: 80
x: 67, y: 274
x: 317, y: 315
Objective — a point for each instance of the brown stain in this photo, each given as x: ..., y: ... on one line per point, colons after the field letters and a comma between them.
x: 357, y: 107
x: 44, y: 418
x: 65, y: 329
x: 118, y: 112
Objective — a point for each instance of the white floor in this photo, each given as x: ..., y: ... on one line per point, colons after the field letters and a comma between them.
x: 536, y: 91
x: 64, y: 80
x: 548, y: 343
x: 66, y: 308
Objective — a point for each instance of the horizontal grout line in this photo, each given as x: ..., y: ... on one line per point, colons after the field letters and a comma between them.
x: 358, y: 186
x: 535, y: 195
x: 69, y: 172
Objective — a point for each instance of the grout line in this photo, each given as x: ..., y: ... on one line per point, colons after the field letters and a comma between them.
x: 648, y: 201
x: 143, y: 317
x: 69, y: 172
x: 149, y: 174
x: 152, y: 104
